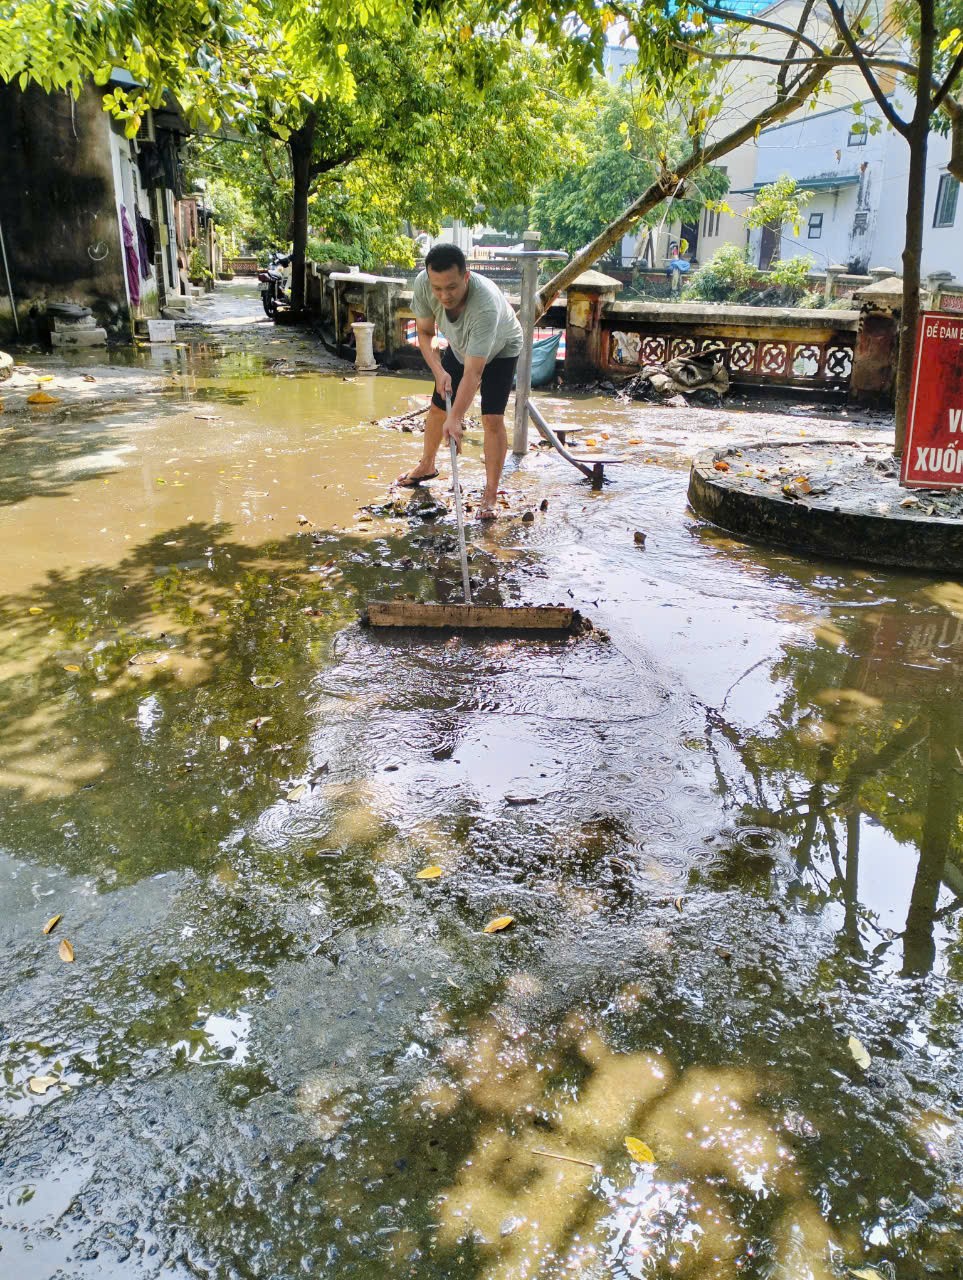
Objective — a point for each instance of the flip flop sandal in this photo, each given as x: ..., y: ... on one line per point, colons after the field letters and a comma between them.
x: 412, y: 482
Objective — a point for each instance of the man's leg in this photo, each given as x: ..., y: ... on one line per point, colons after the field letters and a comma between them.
x: 496, y: 385
x: 434, y: 423
x: 429, y: 449
x: 496, y: 447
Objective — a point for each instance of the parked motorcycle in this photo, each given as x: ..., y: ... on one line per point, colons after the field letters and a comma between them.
x: 274, y: 293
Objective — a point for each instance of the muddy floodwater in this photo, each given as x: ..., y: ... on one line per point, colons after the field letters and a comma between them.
x: 726, y: 825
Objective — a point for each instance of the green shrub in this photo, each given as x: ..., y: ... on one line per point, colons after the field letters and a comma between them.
x: 725, y: 277
x: 792, y: 275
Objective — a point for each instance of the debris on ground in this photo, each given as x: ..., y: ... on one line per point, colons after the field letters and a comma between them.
x: 686, y: 375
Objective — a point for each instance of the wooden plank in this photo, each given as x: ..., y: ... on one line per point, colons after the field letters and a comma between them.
x: 459, y: 617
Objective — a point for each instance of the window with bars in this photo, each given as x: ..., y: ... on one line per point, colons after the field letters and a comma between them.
x: 946, y: 195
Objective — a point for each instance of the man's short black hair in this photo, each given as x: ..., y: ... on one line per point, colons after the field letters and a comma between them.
x: 445, y: 256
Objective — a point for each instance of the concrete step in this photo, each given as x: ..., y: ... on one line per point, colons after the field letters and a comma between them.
x: 75, y: 336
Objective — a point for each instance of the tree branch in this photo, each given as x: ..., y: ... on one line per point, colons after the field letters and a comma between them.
x: 793, y: 33
x: 332, y: 162
x: 885, y: 64
x: 947, y: 84
x: 791, y: 51
x: 668, y: 182
x: 842, y: 26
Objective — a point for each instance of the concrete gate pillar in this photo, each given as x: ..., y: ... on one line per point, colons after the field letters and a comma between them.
x: 586, y: 297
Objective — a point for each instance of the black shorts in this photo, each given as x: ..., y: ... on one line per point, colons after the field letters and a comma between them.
x: 496, y: 381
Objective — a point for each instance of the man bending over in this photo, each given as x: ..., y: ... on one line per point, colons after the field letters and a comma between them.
x: 484, y: 341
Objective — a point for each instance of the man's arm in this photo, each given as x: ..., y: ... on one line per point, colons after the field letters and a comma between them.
x: 426, y: 332
x: 470, y: 382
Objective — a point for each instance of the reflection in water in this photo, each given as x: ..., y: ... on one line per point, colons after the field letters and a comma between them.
x: 864, y: 747
x: 278, y: 1052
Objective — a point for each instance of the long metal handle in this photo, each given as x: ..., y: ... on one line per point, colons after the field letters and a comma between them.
x: 456, y: 489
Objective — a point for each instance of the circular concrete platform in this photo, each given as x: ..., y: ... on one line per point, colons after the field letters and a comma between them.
x: 828, y: 498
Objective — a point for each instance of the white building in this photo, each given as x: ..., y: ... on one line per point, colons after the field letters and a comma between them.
x: 859, y: 184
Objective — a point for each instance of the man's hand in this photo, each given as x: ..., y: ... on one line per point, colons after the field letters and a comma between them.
x: 453, y: 429
x: 443, y: 383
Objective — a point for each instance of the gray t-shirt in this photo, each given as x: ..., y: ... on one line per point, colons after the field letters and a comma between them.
x: 487, y: 327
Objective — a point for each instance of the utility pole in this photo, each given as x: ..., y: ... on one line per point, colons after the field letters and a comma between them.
x: 530, y: 256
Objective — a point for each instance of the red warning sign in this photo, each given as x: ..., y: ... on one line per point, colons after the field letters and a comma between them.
x: 933, y: 457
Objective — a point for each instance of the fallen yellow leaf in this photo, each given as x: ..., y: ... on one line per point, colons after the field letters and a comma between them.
x: 500, y: 923
x: 40, y: 1084
x: 66, y: 952
x: 35, y: 609
x: 41, y: 397
x: 71, y: 666
x: 430, y: 873
x: 45, y: 377
x: 860, y: 1056
x: 639, y: 1151
x: 53, y: 922
x: 296, y: 793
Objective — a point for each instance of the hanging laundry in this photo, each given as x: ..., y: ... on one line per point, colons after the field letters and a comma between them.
x: 131, y: 258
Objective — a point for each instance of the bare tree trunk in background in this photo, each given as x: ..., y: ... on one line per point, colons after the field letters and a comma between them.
x: 301, y: 147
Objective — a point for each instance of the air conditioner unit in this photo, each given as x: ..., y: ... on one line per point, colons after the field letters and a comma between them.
x: 146, y: 132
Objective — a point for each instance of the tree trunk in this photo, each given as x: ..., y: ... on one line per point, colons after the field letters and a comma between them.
x: 917, y: 136
x: 697, y: 158
x: 955, y: 164
x: 912, y: 254
x: 301, y: 147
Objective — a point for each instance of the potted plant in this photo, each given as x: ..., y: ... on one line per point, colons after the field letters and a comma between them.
x: 197, y: 269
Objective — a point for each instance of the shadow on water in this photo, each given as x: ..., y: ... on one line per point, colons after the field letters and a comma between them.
x: 45, y: 457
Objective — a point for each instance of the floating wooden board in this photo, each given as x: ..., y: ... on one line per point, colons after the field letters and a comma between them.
x: 460, y: 617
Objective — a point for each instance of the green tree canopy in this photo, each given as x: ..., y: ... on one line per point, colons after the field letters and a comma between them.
x: 618, y: 145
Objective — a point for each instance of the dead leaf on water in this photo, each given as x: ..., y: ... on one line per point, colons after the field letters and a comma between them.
x: 35, y: 609
x: 296, y: 793
x: 53, y: 922
x: 40, y: 1084
x: 71, y: 666
x: 678, y: 905
x: 146, y: 659
x: 265, y: 682
x: 639, y: 1151
x: 498, y: 924
x: 432, y: 873
x: 223, y: 743
x: 866, y: 1273
x: 860, y: 1056
x: 66, y: 951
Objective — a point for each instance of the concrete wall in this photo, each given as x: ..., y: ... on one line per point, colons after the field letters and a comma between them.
x: 864, y: 224
x: 58, y: 209
x: 942, y: 246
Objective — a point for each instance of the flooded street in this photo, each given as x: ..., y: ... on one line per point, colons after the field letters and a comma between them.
x: 726, y: 824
